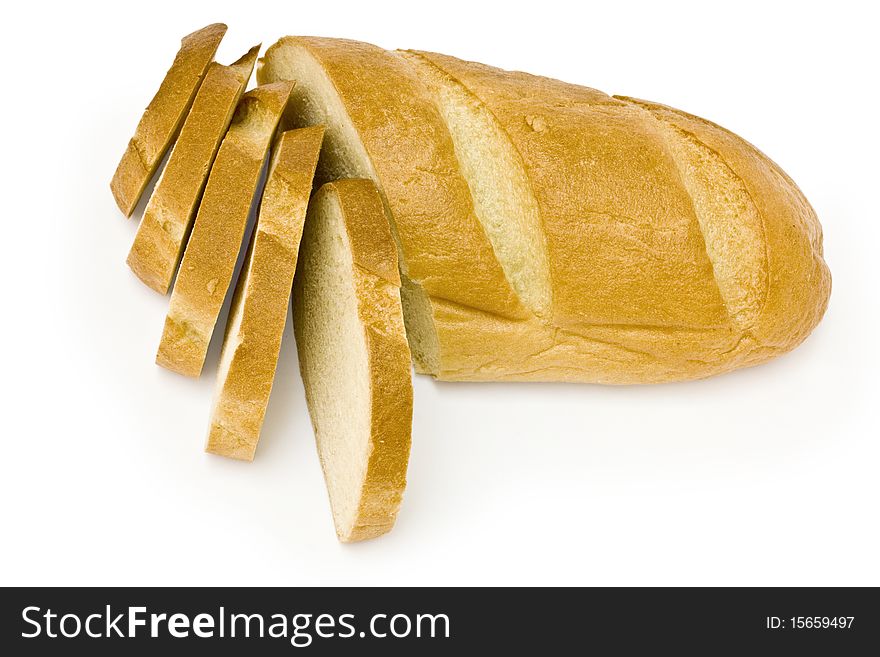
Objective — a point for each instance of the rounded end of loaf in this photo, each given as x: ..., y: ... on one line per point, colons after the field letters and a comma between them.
x: 763, y: 236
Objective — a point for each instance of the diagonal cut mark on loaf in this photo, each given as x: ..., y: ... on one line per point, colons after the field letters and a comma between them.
x: 500, y: 188
x: 728, y: 218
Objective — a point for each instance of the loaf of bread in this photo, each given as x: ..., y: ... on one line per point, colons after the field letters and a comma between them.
x: 164, y: 228
x: 353, y: 355
x: 164, y: 115
x: 261, y: 299
x: 482, y: 224
x: 215, y: 243
x: 552, y: 232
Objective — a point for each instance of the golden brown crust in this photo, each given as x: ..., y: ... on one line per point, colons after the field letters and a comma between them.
x: 262, y: 295
x: 391, y: 397
x: 800, y: 281
x: 158, y: 245
x: 211, y: 253
x: 638, y: 267
x: 165, y: 113
x: 485, y: 347
x: 445, y: 247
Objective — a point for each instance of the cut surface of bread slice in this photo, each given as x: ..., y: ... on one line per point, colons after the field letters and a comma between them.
x: 353, y: 356
x: 164, y: 228
x: 262, y: 295
x: 215, y: 243
x: 165, y: 113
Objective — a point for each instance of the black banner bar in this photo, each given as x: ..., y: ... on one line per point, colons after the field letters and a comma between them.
x: 428, y: 621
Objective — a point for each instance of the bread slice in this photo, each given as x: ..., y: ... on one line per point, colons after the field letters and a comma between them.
x: 164, y: 228
x: 262, y: 296
x: 353, y: 356
x: 212, y: 251
x: 165, y: 113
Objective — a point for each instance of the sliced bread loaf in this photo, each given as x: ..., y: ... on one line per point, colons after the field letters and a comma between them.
x: 215, y: 243
x: 262, y: 296
x: 167, y: 220
x: 353, y: 356
x: 164, y: 115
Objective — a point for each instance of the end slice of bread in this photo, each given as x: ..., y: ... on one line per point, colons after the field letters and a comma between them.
x: 353, y: 356
x: 212, y: 251
x: 164, y: 228
x: 162, y: 119
x: 262, y: 295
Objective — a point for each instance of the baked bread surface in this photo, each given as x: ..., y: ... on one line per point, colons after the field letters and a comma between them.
x: 673, y: 248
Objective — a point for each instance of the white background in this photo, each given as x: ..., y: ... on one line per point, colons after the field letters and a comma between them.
x: 766, y: 476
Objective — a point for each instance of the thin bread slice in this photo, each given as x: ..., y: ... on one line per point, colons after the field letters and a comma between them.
x: 162, y: 119
x: 353, y: 356
x: 213, y: 247
x: 262, y: 296
x: 161, y: 236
